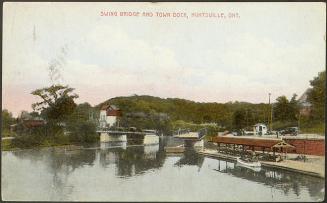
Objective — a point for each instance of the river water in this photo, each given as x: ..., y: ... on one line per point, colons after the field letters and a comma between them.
x: 116, y: 172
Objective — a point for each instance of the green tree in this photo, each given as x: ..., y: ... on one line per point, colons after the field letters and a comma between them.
x: 6, y: 119
x: 81, y: 124
x: 84, y: 112
x: 83, y: 131
x: 57, y: 102
x: 239, y: 120
x: 285, y: 110
x: 317, y: 96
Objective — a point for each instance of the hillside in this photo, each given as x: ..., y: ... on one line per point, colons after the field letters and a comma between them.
x: 153, y: 112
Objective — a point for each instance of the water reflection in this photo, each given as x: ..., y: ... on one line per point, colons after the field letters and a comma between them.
x: 133, y: 160
x: 60, y: 163
x: 279, y: 179
x: 190, y: 157
x: 59, y: 174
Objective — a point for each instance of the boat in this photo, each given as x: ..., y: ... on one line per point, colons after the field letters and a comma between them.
x: 255, y: 164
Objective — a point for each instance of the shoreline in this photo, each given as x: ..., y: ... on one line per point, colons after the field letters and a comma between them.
x: 307, y: 168
x: 317, y: 170
x: 74, y: 145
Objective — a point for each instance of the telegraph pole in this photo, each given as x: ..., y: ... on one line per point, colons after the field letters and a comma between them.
x: 270, y: 120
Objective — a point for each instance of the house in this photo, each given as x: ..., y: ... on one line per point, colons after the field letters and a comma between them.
x: 305, y: 105
x: 260, y: 129
x: 33, y: 123
x: 109, y: 116
x: 27, y: 123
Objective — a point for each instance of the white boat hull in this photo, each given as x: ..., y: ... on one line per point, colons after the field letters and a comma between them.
x: 252, y: 164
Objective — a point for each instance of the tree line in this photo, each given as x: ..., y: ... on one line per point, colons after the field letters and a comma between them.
x: 71, y: 122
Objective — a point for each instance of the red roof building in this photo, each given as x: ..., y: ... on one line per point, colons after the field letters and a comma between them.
x: 111, y: 110
x: 33, y: 123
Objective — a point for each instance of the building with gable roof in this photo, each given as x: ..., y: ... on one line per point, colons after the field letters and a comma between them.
x: 109, y: 116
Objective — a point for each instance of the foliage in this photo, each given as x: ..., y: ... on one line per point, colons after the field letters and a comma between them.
x: 279, y: 125
x: 66, y: 122
x: 6, y: 145
x: 155, y: 113
x: 180, y: 124
x: 309, y: 125
x: 317, y: 96
x: 239, y: 121
x: 6, y: 119
x: 28, y: 141
x: 38, y: 139
x: 81, y: 124
x: 285, y: 110
x: 57, y: 101
x: 318, y: 128
x: 150, y: 120
x: 83, y: 132
x: 83, y: 112
x: 78, y: 128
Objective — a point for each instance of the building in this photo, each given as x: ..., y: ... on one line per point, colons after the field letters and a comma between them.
x: 109, y: 116
x: 260, y: 129
x: 27, y: 124
x: 305, y: 105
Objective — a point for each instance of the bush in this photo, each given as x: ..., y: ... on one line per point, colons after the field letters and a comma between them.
x: 83, y: 131
x: 28, y: 141
x: 47, y: 135
x: 6, y: 145
x: 308, y: 125
x: 279, y: 125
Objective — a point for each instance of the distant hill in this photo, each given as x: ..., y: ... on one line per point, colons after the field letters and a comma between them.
x: 186, y: 110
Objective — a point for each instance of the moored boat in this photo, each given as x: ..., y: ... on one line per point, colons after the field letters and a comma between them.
x: 255, y: 164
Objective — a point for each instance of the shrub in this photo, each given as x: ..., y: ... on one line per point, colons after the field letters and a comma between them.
x: 28, y: 140
x: 83, y: 131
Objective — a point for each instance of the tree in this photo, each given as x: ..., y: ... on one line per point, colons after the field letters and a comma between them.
x: 317, y: 96
x: 7, y: 119
x: 57, y: 101
x: 285, y: 110
x: 84, y: 131
x: 239, y: 120
x: 84, y: 112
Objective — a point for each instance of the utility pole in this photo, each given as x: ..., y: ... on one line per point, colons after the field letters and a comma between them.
x: 270, y: 120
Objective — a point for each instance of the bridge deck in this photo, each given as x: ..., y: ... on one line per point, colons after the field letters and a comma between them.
x: 124, y: 132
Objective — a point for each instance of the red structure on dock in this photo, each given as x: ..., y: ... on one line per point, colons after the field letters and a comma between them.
x: 294, y: 144
x: 255, y: 143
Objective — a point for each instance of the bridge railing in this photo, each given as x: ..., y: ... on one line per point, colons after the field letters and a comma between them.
x: 181, y: 131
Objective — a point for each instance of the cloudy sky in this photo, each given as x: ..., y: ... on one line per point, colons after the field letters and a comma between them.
x: 271, y: 47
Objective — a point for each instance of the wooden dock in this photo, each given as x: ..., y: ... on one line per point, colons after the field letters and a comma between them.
x: 313, y: 169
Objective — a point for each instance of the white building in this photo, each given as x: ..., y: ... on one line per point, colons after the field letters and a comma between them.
x: 260, y: 129
x: 109, y: 116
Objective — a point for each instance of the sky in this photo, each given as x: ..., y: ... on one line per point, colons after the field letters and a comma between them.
x: 272, y: 48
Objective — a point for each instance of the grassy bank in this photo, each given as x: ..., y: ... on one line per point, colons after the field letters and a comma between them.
x: 11, y: 145
x: 318, y: 128
x: 306, y: 126
x: 6, y: 133
x: 6, y: 145
x: 28, y: 141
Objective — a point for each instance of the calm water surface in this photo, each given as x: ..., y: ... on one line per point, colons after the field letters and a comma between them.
x: 145, y: 173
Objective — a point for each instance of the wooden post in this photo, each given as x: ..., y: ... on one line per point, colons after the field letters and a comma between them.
x: 274, y: 152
